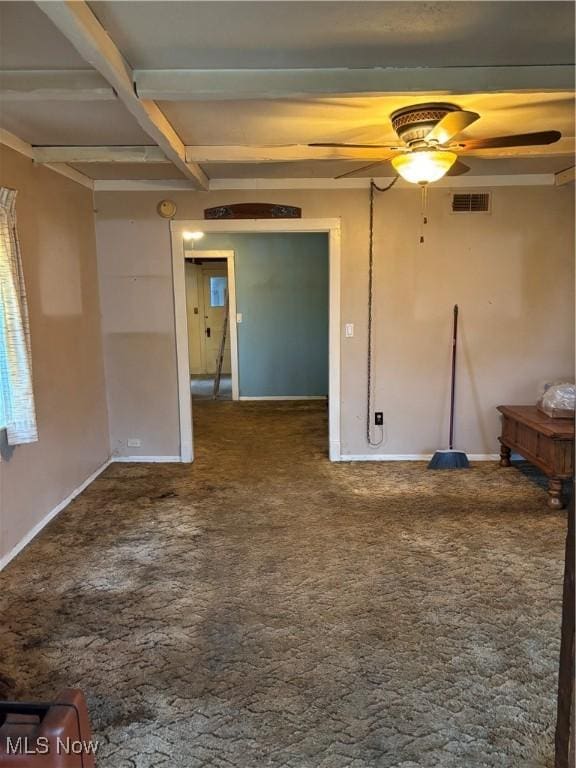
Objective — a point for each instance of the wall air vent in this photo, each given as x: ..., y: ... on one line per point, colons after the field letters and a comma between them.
x: 471, y: 202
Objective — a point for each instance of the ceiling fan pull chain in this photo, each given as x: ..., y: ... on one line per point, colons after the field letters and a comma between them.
x: 423, y: 210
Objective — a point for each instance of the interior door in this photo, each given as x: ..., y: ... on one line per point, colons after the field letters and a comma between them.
x: 215, y: 287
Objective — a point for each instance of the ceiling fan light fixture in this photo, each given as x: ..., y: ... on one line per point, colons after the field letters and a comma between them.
x: 424, y: 166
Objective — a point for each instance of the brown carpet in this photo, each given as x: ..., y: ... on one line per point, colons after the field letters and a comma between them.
x: 264, y: 607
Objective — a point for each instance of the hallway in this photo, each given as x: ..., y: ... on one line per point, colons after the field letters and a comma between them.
x: 263, y: 607
x: 202, y: 387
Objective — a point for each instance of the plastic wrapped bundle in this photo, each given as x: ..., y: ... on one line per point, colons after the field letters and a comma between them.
x: 558, y: 399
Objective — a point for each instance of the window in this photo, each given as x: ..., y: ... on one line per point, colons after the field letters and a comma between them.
x: 17, y: 414
x: 218, y: 291
x: 3, y: 371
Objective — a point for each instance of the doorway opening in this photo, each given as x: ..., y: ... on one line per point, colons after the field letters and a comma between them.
x: 211, y: 320
x: 262, y: 325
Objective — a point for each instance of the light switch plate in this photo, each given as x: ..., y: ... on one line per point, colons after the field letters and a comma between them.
x: 349, y: 330
x: 238, y: 317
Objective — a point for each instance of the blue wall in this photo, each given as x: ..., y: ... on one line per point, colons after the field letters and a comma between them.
x: 282, y: 293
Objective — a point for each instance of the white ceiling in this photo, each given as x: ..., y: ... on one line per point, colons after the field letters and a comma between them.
x: 64, y: 123
x: 228, y: 35
x: 172, y: 35
x: 29, y: 40
x: 356, y: 119
x: 128, y: 171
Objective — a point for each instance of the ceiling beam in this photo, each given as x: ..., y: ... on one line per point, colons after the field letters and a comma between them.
x: 8, y: 139
x: 79, y: 25
x: 49, y: 85
x: 99, y: 155
x: 261, y: 154
x: 186, y: 85
x: 204, y: 85
x: 452, y: 182
x: 566, y: 176
x: 302, y: 152
x: 71, y: 173
x: 278, y: 154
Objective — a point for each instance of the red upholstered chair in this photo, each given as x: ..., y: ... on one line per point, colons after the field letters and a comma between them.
x: 54, y: 735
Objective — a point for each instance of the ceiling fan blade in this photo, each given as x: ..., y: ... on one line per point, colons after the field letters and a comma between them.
x: 458, y: 169
x: 451, y: 125
x: 519, y: 140
x: 353, y: 146
x: 359, y: 170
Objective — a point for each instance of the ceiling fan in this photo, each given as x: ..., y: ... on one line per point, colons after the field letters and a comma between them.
x: 430, y: 145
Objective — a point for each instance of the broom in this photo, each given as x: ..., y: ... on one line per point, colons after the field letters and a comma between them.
x: 451, y: 459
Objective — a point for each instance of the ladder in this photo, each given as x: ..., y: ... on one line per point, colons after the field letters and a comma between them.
x: 220, y: 358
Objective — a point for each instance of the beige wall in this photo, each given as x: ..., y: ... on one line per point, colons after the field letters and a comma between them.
x: 56, y: 227
x: 510, y: 271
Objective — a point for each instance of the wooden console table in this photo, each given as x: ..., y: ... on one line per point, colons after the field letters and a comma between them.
x: 547, y: 443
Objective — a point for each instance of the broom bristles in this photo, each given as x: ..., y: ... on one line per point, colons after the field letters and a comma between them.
x: 449, y: 460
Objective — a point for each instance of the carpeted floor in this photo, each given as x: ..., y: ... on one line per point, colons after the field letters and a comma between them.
x: 264, y: 607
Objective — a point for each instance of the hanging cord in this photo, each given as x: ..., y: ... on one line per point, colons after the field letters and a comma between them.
x: 423, y: 210
x: 373, y: 187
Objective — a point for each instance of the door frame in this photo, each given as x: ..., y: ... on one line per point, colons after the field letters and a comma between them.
x: 332, y: 228
x: 232, y: 325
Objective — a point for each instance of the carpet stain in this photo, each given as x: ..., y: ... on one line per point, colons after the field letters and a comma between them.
x: 264, y: 607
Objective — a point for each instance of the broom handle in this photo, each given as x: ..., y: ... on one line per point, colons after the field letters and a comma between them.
x: 453, y: 387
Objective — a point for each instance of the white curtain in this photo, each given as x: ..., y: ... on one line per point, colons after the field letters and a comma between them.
x: 17, y: 413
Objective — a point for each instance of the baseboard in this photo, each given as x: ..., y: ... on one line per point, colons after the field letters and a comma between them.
x: 147, y: 459
x: 286, y: 397
x: 51, y: 515
x: 412, y: 457
x: 484, y: 456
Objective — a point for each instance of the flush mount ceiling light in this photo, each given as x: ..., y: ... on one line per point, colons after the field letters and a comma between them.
x: 424, y: 166
x: 192, y: 235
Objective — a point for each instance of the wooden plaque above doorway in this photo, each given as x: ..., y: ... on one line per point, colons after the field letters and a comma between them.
x: 253, y: 211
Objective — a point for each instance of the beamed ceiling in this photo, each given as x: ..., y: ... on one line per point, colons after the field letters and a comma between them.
x: 209, y: 91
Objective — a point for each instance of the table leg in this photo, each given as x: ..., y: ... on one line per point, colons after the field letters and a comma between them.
x: 555, y: 500
x: 505, y: 454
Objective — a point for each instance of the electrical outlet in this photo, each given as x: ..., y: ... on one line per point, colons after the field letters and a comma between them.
x: 133, y: 442
x: 379, y: 418
x: 349, y: 330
